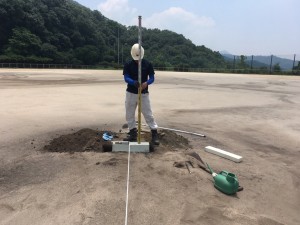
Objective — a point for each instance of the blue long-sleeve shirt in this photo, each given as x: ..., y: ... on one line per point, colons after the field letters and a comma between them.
x: 130, y: 73
x: 130, y: 81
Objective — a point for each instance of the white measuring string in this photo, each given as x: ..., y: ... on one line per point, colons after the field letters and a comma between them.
x: 127, y: 191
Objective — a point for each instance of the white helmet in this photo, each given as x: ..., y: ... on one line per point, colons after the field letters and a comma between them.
x: 135, y: 52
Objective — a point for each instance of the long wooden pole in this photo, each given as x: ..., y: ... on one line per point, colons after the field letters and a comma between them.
x: 140, y: 81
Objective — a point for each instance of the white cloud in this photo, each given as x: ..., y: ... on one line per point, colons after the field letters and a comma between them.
x: 199, y: 29
x: 118, y: 10
x: 178, y: 20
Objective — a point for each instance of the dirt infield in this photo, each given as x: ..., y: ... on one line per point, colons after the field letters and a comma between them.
x: 53, y: 169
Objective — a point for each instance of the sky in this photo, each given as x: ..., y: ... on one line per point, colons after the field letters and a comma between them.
x: 239, y: 27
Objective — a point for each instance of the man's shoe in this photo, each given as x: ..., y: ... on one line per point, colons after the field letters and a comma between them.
x: 155, y: 139
x: 132, y: 135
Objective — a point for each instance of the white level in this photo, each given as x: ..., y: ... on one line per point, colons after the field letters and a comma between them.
x: 224, y: 154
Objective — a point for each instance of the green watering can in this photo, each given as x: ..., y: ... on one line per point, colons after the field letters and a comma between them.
x: 225, y: 182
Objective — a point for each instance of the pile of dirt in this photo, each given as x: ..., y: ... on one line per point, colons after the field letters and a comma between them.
x: 91, y: 140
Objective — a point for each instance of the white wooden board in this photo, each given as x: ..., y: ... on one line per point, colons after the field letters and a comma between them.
x: 224, y: 154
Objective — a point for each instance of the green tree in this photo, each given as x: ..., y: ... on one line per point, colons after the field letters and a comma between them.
x: 23, y: 42
x: 276, y: 68
x: 88, y: 54
x: 49, y: 51
x: 242, y: 63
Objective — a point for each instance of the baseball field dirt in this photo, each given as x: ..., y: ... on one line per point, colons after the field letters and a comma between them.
x: 53, y: 169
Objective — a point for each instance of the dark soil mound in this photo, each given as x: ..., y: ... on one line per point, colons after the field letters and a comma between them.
x: 91, y: 140
x: 80, y: 141
x: 173, y: 140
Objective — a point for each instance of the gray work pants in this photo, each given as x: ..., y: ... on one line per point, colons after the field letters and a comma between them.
x: 131, y: 103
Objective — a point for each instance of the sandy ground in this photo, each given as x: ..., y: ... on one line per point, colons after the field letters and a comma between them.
x: 257, y: 117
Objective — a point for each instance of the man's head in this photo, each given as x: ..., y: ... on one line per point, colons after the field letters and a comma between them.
x: 135, y: 52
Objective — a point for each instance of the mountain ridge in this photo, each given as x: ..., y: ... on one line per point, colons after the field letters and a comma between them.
x: 264, y: 61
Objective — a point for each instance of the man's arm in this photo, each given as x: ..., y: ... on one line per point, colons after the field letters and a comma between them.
x: 151, y: 79
x: 130, y: 81
x: 151, y: 74
x: 148, y: 82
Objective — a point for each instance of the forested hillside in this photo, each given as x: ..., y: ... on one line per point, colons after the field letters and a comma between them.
x: 65, y: 32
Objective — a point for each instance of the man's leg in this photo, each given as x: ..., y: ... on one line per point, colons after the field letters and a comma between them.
x: 148, y: 115
x: 130, y: 106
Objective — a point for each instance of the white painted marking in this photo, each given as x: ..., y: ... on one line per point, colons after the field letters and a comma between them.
x: 127, y: 188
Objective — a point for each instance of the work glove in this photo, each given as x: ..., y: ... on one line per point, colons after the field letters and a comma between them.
x: 136, y: 84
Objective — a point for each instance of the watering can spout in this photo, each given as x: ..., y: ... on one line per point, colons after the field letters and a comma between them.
x: 211, y: 171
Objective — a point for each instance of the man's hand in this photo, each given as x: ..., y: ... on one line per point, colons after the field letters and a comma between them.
x: 144, y: 85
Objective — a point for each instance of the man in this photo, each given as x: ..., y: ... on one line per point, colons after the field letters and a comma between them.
x: 130, y: 73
